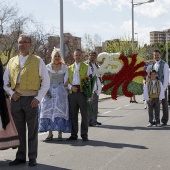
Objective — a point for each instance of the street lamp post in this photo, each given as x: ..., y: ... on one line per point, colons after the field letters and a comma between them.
x: 167, y: 38
x: 61, y: 30
x: 133, y: 5
x: 137, y: 38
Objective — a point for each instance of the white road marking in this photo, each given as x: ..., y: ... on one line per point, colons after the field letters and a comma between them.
x: 127, y: 105
x: 106, y: 112
x: 118, y: 108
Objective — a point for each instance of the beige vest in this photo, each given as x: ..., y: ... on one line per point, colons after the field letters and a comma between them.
x: 29, y: 73
x: 157, y: 88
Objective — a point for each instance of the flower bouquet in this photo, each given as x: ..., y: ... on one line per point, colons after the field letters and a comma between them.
x: 88, y: 85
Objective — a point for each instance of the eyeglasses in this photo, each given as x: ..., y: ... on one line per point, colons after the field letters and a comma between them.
x: 23, y: 42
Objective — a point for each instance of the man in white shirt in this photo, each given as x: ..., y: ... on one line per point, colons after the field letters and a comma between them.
x: 77, y: 98
x: 94, y: 67
x: 153, y: 94
x: 162, y: 70
x: 26, y: 80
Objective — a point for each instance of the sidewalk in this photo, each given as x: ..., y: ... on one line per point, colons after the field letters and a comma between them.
x: 104, y: 96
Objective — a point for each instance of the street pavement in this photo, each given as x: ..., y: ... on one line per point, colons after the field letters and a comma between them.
x: 122, y: 143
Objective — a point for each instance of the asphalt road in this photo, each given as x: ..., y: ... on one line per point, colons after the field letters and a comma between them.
x: 122, y: 143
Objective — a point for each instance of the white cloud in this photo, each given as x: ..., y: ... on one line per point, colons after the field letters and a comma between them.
x: 90, y: 4
x: 152, y: 10
x: 119, y: 4
x: 104, y: 27
x: 166, y: 25
x: 142, y: 35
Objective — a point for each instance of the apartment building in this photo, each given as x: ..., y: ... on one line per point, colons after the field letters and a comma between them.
x: 159, y: 36
x: 70, y: 44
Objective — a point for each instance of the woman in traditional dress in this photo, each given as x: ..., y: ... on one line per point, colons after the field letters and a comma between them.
x: 54, y: 108
x: 8, y: 133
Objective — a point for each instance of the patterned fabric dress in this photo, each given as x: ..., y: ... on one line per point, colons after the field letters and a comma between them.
x: 54, y: 108
x: 8, y: 132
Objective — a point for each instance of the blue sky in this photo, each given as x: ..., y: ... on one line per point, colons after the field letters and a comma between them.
x: 107, y: 18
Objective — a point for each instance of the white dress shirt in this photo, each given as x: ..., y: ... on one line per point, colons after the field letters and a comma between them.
x: 98, y: 85
x: 169, y: 76
x: 165, y: 72
x: 95, y: 70
x: 45, y: 84
x: 76, y: 76
x: 146, y: 95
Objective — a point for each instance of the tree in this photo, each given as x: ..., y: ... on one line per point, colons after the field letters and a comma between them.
x: 10, y: 37
x: 89, y: 42
x: 12, y: 25
x: 40, y: 40
x: 162, y: 48
x: 122, y: 45
x: 7, y: 15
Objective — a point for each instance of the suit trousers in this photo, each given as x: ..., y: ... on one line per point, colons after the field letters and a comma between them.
x: 165, y: 116
x: 23, y: 114
x: 78, y: 101
x: 154, y: 107
x: 93, y: 117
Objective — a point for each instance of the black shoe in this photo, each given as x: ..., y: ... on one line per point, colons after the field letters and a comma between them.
x: 14, y: 147
x: 98, y: 123
x: 49, y: 138
x: 135, y: 101
x: 32, y: 162
x: 17, y: 162
x: 163, y: 124
x: 71, y: 138
x: 131, y: 101
x: 93, y: 125
x: 85, y: 138
x: 59, y: 139
x: 154, y: 123
x: 158, y: 125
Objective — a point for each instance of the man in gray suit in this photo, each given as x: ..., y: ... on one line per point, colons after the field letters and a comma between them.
x: 162, y: 70
x: 26, y: 80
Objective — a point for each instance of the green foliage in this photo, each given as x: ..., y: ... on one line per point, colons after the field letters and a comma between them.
x: 162, y: 48
x: 135, y: 88
x: 122, y: 45
x: 3, y: 58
